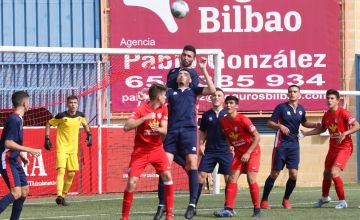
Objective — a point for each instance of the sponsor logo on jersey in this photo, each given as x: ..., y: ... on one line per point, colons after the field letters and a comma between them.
x: 288, y: 113
x: 300, y: 112
x: 333, y: 127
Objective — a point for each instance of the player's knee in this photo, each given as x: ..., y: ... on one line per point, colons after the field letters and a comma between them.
x: 251, y: 178
x: 327, y: 174
x: 166, y: 176
x: 71, y: 174
x: 25, y: 191
x: 131, y: 184
x: 334, y: 173
x: 293, y: 175
x: 16, y: 192
x: 61, y: 171
x: 202, y: 177
x: 274, y: 174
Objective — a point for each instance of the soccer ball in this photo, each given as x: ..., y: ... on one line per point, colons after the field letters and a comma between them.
x: 179, y: 9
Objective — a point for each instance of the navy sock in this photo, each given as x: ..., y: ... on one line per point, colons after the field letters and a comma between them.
x: 161, y: 192
x: 269, y: 184
x: 17, y: 208
x: 6, y: 201
x: 193, y: 185
x: 199, y: 193
x: 290, y: 185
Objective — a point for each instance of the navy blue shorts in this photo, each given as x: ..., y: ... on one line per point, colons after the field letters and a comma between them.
x: 286, y: 153
x: 14, y: 175
x: 209, y: 161
x: 181, y: 141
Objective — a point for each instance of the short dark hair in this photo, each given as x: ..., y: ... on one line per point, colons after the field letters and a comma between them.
x: 220, y: 90
x: 190, y: 48
x: 72, y: 97
x: 155, y: 90
x: 18, y: 98
x: 296, y: 86
x: 232, y: 98
x: 333, y: 92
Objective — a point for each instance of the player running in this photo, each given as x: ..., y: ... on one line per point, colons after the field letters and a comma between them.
x: 11, y: 147
x: 150, y: 122
x: 286, y: 119
x: 67, y: 143
x: 340, y: 124
x: 243, y: 137
x: 212, y: 141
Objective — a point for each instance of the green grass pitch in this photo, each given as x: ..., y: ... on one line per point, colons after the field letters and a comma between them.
x: 144, y: 205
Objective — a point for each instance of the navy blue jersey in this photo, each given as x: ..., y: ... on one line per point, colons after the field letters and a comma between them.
x: 182, y: 107
x: 215, y: 138
x: 290, y: 117
x: 13, y: 130
x: 172, y: 76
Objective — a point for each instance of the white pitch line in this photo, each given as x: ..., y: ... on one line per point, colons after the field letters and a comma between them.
x: 149, y: 212
x: 28, y: 202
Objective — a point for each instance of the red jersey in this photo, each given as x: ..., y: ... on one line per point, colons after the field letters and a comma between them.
x: 145, y: 138
x: 239, y: 132
x: 338, y: 122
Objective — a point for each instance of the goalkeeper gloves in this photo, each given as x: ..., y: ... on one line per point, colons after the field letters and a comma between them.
x: 89, y: 139
x: 48, y: 144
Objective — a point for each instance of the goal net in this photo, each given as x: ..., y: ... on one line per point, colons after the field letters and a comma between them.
x: 106, y: 82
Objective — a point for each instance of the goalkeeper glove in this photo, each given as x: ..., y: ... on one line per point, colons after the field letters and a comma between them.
x: 89, y: 139
x: 48, y: 144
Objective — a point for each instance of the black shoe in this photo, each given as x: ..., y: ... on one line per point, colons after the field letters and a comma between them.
x: 190, y: 212
x: 159, y: 212
x: 257, y: 213
x: 64, y: 202
x: 58, y: 200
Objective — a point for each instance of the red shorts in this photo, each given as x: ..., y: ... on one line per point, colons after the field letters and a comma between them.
x: 139, y: 161
x: 251, y: 166
x: 337, y: 158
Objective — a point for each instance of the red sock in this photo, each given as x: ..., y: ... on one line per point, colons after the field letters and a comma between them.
x: 128, y: 198
x: 339, y: 187
x: 231, y: 192
x: 169, y: 198
x: 326, y: 184
x: 254, y: 192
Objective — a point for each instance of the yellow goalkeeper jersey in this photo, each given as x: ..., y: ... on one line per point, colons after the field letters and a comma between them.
x: 67, y: 139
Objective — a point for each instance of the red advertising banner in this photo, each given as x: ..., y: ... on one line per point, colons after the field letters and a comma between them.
x: 267, y: 44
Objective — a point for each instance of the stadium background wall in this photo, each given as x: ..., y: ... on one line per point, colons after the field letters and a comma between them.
x: 87, y: 25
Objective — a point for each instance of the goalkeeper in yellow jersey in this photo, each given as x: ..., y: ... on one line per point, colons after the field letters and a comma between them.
x: 67, y: 141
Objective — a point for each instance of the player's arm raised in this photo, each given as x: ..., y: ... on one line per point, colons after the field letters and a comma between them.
x: 256, y: 140
x: 210, y: 89
x: 132, y: 123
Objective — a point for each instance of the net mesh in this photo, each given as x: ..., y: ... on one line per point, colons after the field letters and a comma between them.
x: 50, y: 78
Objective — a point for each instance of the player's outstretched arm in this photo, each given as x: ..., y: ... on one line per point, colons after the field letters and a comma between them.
x: 210, y: 89
x: 314, y: 131
x: 132, y: 123
x: 12, y: 145
x: 309, y: 124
